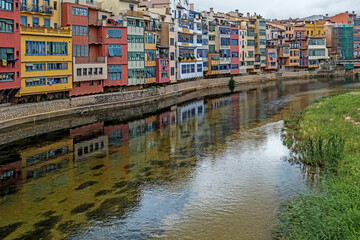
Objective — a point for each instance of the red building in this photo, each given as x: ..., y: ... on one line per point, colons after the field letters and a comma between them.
x: 271, y: 58
x: 10, y: 67
x: 89, y: 65
x: 162, y: 70
x: 114, y: 46
x: 234, y: 47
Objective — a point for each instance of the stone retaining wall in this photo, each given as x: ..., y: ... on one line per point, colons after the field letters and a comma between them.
x: 11, y: 115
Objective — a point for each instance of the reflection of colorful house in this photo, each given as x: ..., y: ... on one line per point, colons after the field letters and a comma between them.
x: 89, y: 141
x: 42, y: 160
x: 189, y: 111
x: 11, y: 174
x: 163, y: 120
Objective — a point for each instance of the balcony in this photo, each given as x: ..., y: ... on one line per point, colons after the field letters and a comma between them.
x: 45, y: 9
x: 95, y: 21
x: 62, y: 32
x: 89, y: 69
x: 95, y: 40
x: 134, y: 14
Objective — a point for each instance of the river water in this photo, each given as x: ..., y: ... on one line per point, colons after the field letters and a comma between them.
x: 211, y: 168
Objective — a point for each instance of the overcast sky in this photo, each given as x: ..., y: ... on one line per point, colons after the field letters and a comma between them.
x: 280, y: 9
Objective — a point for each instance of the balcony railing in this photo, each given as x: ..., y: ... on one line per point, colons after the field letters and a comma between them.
x: 95, y: 21
x: 44, y: 9
x: 45, y: 31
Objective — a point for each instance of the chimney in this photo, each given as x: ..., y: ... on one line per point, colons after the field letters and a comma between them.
x: 191, y: 7
x: 211, y: 10
x: 237, y: 10
x: 248, y: 14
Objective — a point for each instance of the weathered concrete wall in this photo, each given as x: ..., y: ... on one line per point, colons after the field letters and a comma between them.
x: 11, y: 115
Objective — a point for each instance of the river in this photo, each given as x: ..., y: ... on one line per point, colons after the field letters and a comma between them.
x: 210, y: 168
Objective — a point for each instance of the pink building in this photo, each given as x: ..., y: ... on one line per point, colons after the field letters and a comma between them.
x: 10, y: 67
x: 234, y: 47
x: 271, y: 58
x: 162, y: 70
x: 114, y: 46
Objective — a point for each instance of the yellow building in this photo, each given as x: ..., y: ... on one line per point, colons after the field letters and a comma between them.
x: 150, y: 38
x: 46, y: 50
x: 314, y: 29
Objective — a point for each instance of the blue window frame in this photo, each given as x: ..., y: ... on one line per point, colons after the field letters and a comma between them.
x: 35, y: 82
x: 199, y: 68
x: 47, y: 22
x: 6, y: 25
x: 36, y: 48
x: 234, y: 42
x: 235, y: 66
x: 24, y: 20
x: 6, y: 5
x: 35, y: 22
x: 35, y: 67
x: 57, y: 48
x: 57, y: 66
x: 225, y: 41
x: 114, y: 33
x: 114, y: 50
x: 115, y: 72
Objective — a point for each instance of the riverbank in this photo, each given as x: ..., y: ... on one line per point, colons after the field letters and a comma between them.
x: 33, y: 112
x: 326, y: 134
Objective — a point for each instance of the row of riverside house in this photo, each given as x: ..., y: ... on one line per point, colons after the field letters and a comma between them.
x: 65, y: 48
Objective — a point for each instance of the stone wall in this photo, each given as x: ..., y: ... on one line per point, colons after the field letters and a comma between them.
x: 11, y: 115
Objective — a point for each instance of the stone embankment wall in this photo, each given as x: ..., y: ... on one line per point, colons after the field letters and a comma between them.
x: 12, y: 115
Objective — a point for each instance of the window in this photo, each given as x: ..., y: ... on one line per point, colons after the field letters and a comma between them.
x: 35, y: 82
x: 211, y: 29
x: 172, y: 71
x: 115, y: 72
x: 7, y: 77
x: 234, y: 31
x: 55, y: 25
x: 234, y: 42
x: 135, y: 39
x: 91, y: 83
x: 114, y: 50
x: 24, y: 20
x: 80, y: 50
x: 35, y: 67
x: 223, y: 30
x: 35, y: 22
x: 225, y: 41
x: 211, y: 37
x: 164, y: 75
x: 47, y: 22
x: 234, y: 54
x: 131, y: 7
x: 57, y: 80
x: 114, y: 33
x: 6, y: 5
x: 55, y: 5
x: 78, y: 71
x: 149, y: 38
x: 199, y: 68
x: 84, y: 71
x: 90, y: 71
x: 100, y: 70
x: 80, y: 30
x: 79, y: 11
x: 172, y: 56
x: 150, y: 55
x: 136, y: 56
x: 7, y: 53
x: 35, y: 48
x: 77, y: 84
x: 172, y: 41
x: 6, y: 25
x: 57, y: 48
x: 57, y: 66
x: 95, y: 71
x: 98, y: 82
x: 225, y: 53
x: 211, y: 48
x: 235, y: 66
x: 150, y: 72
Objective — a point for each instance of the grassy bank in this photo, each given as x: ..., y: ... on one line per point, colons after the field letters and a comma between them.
x: 326, y: 134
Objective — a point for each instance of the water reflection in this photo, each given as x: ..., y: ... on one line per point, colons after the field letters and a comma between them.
x: 188, y: 172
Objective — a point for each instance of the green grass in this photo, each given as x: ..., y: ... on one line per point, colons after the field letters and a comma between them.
x: 320, y: 136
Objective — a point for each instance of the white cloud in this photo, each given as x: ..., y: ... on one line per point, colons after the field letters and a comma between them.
x: 280, y: 9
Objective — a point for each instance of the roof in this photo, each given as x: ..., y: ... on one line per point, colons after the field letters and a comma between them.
x: 341, y: 18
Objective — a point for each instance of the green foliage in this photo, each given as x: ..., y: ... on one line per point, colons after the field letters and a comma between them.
x: 232, y: 84
x: 320, y: 136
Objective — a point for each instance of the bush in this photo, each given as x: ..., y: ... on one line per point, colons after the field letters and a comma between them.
x: 232, y: 84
